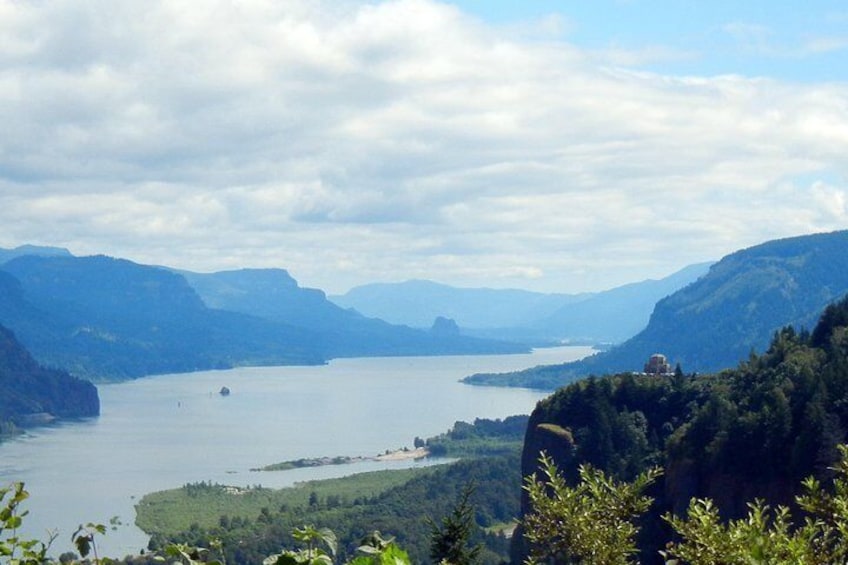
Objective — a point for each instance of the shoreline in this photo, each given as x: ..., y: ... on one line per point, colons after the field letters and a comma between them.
x: 403, y: 454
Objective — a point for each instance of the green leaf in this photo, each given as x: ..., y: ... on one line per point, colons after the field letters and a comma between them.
x: 82, y: 542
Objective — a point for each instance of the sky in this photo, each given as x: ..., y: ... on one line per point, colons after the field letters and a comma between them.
x: 556, y: 146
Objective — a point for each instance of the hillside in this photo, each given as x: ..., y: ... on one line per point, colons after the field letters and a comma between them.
x: 417, y: 303
x: 750, y: 432
x: 105, y: 318
x: 609, y: 316
x: 30, y: 393
x: 614, y: 315
x: 108, y: 318
x: 725, y: 315
x: 272, y: 294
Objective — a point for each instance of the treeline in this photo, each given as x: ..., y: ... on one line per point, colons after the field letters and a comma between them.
x: 400, y: 512
x: 752, y: 432
x: 482, y: 437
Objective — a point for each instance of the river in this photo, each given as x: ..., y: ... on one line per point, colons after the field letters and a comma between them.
x: 164, y: 431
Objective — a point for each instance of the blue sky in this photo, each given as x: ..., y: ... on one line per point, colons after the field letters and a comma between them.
x: 804, y: 41
x: 553, y: 146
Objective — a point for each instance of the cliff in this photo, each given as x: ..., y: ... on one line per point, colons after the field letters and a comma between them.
x: 30, y: 393
x: 754, y: 431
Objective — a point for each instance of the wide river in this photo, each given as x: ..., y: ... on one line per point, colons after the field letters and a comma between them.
x: 164, y: 431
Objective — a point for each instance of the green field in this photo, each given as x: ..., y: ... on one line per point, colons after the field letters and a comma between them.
x: 203, y: 504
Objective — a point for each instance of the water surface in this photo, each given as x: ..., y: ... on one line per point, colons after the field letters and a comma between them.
x: 164, y: 431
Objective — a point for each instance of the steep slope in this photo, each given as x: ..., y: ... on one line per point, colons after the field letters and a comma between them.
x: 754, y: 431
x: 29, y: 393
x: 617, y: 314
x: 268, y: 293
x: 106, y: 318
x: 274, y: 295
x: 101, y: 317
x: 732, y: 310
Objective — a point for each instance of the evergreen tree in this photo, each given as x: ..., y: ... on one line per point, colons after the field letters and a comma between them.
x: 449, y: 541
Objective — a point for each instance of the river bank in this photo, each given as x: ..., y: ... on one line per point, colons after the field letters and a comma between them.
x: 403, y: 454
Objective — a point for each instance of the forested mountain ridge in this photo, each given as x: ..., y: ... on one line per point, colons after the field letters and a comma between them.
x: 30, y: 393
x: 105, y: 318
x: 751, y: 432
x: 719, y: 319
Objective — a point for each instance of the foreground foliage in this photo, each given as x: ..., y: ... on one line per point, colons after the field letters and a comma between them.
x: 592, y: 522
x: 13, y: 549
x: 596, y: 521
x: 754, y: 432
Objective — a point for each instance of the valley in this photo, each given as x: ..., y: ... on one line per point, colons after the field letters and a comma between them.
x: 162, y: 432
x: 307, y: 420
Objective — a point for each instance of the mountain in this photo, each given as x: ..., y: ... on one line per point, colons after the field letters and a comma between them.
x: 609, y: 316
x: 9, y: 254
x: 30, y: 393
x: 725, y: 315
x: 105, y: 318
x: 754, y: 431
x: 418, y: 302
x: 274, y: 295
x: 615, y: 315
x: 268, y: 293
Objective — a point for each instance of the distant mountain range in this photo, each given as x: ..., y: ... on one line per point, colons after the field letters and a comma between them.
x: 9, y: 254
x: 609, y: 316
x: 104, y: 318
x: 718, y: 320
x: 615, y: 315
x: 272, y: 294
x: 107, y: 318
x: 417, y: 303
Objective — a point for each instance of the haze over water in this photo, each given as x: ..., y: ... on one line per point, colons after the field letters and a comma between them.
x: 164, y: 431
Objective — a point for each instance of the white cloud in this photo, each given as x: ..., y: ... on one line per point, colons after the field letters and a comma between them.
x: 826, y: 44
x: 357, y: 142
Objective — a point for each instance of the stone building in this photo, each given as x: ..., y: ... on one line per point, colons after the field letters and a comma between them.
x: 657, y: 365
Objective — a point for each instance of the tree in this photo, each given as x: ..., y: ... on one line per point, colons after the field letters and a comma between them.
x: 591, y: 523
x: 768, y: 535
x: 449, y: 541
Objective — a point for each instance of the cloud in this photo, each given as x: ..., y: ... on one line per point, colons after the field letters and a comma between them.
x: 751, y: 36
x: 818, y: 45
x: 353, y: 142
